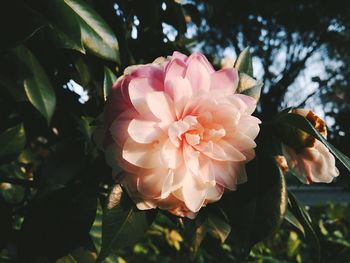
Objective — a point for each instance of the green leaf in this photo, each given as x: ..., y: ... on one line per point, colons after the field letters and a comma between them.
x: 97, y: 36
x: 249, y: 86
x: 65, y: 25
x: 64, y: 163
x: 303, y: 217
x: 108, y: 80
x: 256, y: 209
x: 37, y: 85
x: 210, y: 222
x: 244, y: 62
x: 123, y: 224
x: 12, y: 140
x: 296, y: 121
x: 291, y: 219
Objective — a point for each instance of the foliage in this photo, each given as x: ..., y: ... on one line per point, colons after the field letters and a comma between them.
x: 57, y: 65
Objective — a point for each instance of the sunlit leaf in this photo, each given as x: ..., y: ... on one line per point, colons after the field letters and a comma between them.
x: 244, y: 62
x: 97, y: 36
x: 37, y: 85
x: 249, y: 86
x: 108, y: 80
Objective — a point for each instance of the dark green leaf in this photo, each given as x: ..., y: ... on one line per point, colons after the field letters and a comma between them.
x: 294, y: 121
x: 109, y: 79
x: 14, y: 30
x: 37, y: 85
x: 66, y: 27
x: 63, y: 164
x: 97, y: 36
x: 60, y: 223
x: 123, y: 223
x: 256, y: 209
x: 12, y: 140
x: 244, y: 62
x: 249, y: 86
x: 210, y: 222
x: 303, y: 217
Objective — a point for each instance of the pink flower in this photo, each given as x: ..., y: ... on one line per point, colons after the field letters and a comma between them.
x: 179, y: 133
x: 314, y: 163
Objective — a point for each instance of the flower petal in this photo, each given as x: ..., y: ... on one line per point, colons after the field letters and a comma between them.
x: 171, y: 156
x: 225, y: 81
x: 198, y: 74
x: 142, y: 155
x: 143, y: 131
x: 139, y: 88
x: 161, y: 106
x: 194, y: 193
x: 155, y: 183
x: 179, y: 89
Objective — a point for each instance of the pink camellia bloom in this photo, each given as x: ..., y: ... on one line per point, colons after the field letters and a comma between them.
x: 179, y: 133
x: 314, y: 163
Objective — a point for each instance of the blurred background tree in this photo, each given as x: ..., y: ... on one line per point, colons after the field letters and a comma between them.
x: 58, y: 59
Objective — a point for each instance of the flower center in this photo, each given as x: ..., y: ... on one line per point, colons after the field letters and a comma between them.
x: 195, y: 130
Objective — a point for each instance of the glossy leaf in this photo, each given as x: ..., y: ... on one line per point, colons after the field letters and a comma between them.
x: 123, y: 224
x: 249, y: 86
x: 37, y: 85
x: 303, y: 217
x: 294, y: 121
x: 12, y: 140
x: 256, y: 209
x: 209, y: 222
x: 97, y: 36
x: 244, y: 62
x: 65, y: 25
x: 108, y: 80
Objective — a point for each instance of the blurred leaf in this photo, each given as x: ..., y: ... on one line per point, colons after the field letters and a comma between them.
x: 244, y: 62
x: 192, y: 11
x: 293, y: 244
x: 249, y: 86
x: 303, y: 217
x: 108, y: 80
x: 12, y: 140
x: 37, y: 85
x: 97, y: 36
x: 11, y: 193
x: 294, y: 121
x: 174, y: 15
x: 256, y: 209
x: 123, y: 224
